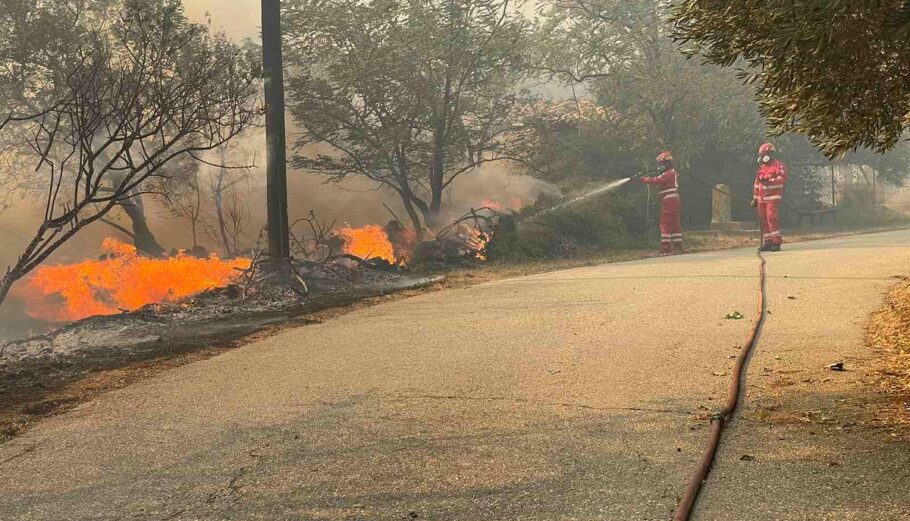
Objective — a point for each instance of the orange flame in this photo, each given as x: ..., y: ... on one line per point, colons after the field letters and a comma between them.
x: 489, y: 203
x: 368, y: 242
x: 121, y: 280
x: 477, y: 241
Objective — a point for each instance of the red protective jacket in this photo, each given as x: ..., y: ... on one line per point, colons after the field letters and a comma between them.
x: 668, y: 182
x: 770, y: 182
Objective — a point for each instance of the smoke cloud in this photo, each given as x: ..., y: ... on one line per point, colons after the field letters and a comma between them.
x: 357, y: 202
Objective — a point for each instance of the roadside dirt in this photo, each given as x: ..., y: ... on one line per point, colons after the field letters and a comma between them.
x: 20, y: 408
x: 888, y: 332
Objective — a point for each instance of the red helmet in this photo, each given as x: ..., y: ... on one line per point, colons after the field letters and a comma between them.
x: 665, y: 157
x: 767, y: 148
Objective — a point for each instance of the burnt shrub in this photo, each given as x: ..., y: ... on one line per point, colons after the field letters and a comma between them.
x: 616, y: 221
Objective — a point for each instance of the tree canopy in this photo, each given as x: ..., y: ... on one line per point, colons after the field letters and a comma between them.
x: 838, y: 72
x: 411, y: 94
x: 622, y: 55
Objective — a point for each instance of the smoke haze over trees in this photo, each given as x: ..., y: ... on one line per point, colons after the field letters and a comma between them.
x: 410, y: 95
x: 652, y: 97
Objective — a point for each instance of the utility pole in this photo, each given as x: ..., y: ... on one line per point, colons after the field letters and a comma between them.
x: 276, y: 169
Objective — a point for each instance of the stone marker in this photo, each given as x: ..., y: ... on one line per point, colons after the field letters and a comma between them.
x: 722, y: 211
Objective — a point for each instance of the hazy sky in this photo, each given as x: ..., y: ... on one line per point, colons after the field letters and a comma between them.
x: 238, y: 18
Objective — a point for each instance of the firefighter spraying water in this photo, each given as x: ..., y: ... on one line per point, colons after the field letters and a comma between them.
x: 671, y: 236
x: 767, y: 194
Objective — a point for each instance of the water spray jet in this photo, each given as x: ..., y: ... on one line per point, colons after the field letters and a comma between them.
x: 604, y: 189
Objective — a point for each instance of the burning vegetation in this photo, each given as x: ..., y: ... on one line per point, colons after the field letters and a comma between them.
x: 121, y: 280
x: 368, y: 242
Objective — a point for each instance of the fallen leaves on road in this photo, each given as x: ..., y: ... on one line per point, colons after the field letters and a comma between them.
x: 837, y: 366
x: 736, y: 315
x: 888, y: 331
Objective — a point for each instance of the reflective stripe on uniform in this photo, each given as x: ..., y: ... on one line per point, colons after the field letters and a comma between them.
x: 771, y: 198
x: 671, y: 196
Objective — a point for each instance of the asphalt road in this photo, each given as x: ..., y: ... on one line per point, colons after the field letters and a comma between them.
x: 576, y: 395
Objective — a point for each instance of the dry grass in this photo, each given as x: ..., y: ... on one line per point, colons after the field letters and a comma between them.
x: 888, y: 332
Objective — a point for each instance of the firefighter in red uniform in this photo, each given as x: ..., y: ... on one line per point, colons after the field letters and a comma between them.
x: 768, y: 191
x: 671, y: 236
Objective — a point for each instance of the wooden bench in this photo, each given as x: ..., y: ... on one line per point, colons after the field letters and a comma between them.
x: 812, y: 214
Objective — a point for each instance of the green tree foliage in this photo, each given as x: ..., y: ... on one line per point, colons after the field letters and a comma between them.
x: 653, y: 97
x: 650, y: 96
x: 410, y: 94
x: 835, y: 71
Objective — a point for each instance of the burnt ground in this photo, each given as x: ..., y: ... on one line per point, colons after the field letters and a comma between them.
x: 49, y: 374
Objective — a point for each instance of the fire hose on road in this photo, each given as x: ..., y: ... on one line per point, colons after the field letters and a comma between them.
x: 723, y: 416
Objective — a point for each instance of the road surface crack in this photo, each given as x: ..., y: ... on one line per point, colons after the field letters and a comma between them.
x: 27, y: 450
x: 546, y: 404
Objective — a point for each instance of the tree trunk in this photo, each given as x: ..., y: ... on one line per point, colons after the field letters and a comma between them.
x: 195, y: 242
x: 402, y: 169
x: 413, y: 214
x: 218, y: 197
x: 144, y: 240
x: 6, y: 284
x: 437, y: 169
x: 436, y: 177
x: 436, y: 189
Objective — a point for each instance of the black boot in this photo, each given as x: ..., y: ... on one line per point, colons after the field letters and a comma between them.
x: 774, y: 247
x: 764, y: 247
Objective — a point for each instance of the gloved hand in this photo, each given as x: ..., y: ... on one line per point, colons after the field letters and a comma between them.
x: 754, y: 203
x: 764, y: 181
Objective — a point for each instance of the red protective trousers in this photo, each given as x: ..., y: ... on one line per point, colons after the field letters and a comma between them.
x: 769, y: 190
x: 770, y: 224
x: 671, y: 233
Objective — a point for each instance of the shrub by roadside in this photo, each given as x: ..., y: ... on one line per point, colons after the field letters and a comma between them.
x: 854, y: 216
x: 605, y: 223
